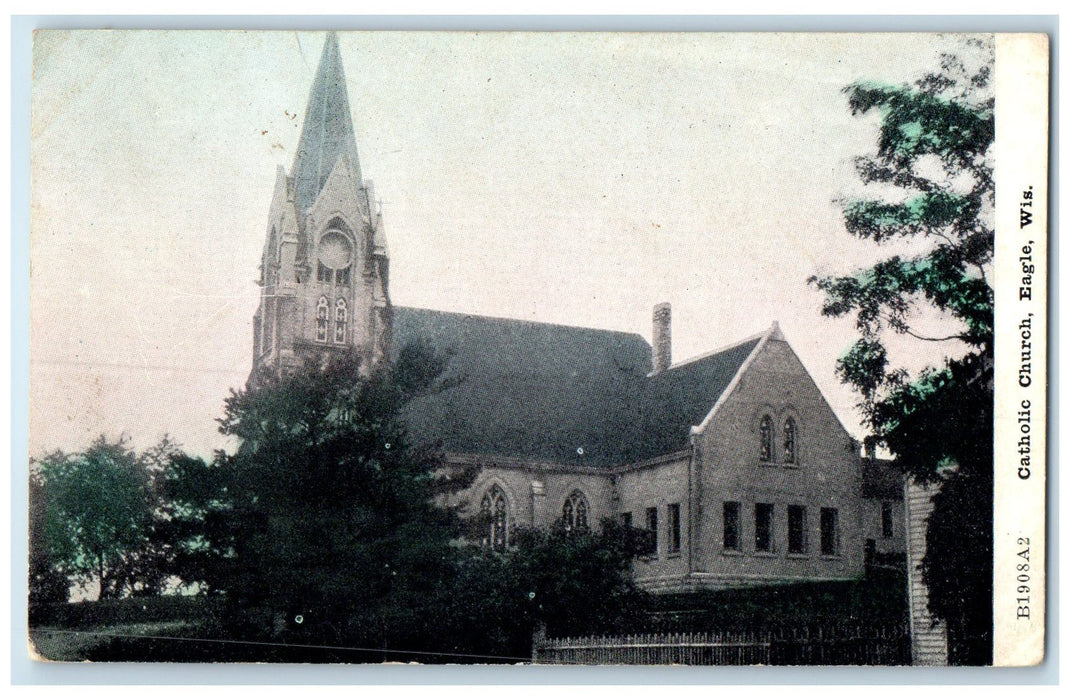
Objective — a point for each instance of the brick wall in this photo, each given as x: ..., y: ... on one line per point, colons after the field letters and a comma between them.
x: 826, y: 475
x: 659, y: 485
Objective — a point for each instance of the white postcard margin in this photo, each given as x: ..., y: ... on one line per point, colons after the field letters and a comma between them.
x: 1020, y: 280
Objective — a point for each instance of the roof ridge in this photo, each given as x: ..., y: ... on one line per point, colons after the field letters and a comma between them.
x: 524, y: 320
x: 711, y: 353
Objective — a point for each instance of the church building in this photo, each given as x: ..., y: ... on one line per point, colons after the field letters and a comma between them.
x: 734, y: 459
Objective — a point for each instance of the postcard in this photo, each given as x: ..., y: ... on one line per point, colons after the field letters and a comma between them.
x: 538, y: 348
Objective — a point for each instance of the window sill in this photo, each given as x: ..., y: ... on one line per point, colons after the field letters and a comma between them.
x: 673, y: 555
x: 780, y: 465
x: 731, y: 553
x: 798, y: 555
x: 831, y: 557
x: 647, y: 558
x: 766, y: 555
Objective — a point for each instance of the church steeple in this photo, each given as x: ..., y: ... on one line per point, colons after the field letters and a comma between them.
x: 325, y: 267
x: 327, y: 134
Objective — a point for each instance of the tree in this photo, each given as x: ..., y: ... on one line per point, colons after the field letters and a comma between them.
x: 325, y: 525
x: 325, y: 528
x: 98, y: 513
x: 48, y: 584
x: 933, y: 172
x: 189, y: 534
x: 564, y: 583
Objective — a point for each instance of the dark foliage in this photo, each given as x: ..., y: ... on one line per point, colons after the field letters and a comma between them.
x: 563, y: 583
x: 47, y: 582
x: 95, y: 513
x: 325, y: 529
x: 879, y: 599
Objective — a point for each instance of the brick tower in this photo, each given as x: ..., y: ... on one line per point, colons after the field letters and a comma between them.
x: 324, y: 276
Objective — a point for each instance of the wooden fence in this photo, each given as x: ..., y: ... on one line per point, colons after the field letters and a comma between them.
x: 828, y: 646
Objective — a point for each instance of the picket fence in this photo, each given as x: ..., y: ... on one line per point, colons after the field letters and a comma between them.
x: 835, y: 646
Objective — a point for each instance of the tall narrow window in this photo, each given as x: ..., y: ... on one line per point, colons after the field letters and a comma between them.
x: 797, y: 530
x: 495, y: 511
x: 765, y: 434
x: 652, y: 527
x: 269, y: 327
x: 341, y: 277
x: 730, y: 541
x: 763, y: 527
x: 830, y: 532
x: 341, y: 320
x: 674, y: 527
x: 790, y: 454
x: 574, y: 512
x: 322, y: 314
x: 323, y: 273
x: 887, y: 521
x: 258, y: 334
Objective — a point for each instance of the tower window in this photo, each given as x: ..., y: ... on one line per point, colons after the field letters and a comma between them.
x: 341, y: 320
x: 341, y: 277
x: 322, y: 314
x: 765, y: 433
x: 574, y: 512
x: 269, y: 327
x: 790, y: 454
x: 323, y: 273
x: 495, y: 511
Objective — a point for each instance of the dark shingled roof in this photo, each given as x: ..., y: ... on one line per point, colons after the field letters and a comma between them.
x: 881, y: 478
x: 558, y: 393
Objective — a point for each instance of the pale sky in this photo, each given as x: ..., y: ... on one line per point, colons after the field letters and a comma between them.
x: 565, y: 178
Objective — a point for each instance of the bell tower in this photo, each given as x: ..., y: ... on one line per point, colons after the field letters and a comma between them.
x: 324, y: 273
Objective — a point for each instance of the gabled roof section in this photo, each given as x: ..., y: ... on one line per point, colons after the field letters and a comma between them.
x: 560, y: 394
x: 327, y: 134
x: 684, y: 394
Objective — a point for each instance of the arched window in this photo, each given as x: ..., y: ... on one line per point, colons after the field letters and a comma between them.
x: 574, y: 512
x: 341, y: 320
x: 790, y: 452
x: 495, y: 511
x: 765, y: 433
x: 323, y: 312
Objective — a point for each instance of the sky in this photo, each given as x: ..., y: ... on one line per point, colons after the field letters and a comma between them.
x: 564, y: 178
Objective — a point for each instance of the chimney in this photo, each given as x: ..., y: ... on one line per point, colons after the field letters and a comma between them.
x: 662, y: 337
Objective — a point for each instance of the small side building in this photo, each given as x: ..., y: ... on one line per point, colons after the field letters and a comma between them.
x: 883, y: 512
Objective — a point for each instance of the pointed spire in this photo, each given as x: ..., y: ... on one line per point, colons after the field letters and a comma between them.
x: 327, y: 134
